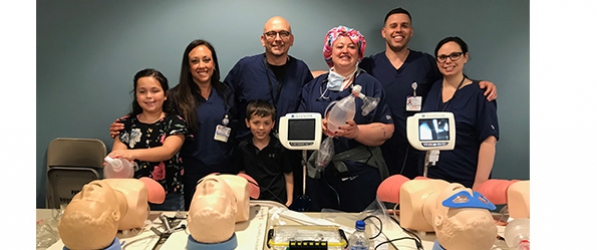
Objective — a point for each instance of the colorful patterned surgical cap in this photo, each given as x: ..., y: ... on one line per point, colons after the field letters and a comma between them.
x: 336, y: 32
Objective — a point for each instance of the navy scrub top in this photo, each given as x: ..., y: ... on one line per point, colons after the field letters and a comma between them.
x: 419, y: 67
x: 312, y: 101
x: 204, y: 155
x: 250, y: 79
x: 476, y: 119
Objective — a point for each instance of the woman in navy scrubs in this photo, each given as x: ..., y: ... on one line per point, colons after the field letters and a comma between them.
x: 350, y: 180
x: 471, y: 161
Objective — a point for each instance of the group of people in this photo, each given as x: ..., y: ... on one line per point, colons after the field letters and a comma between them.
x: 204, y: 125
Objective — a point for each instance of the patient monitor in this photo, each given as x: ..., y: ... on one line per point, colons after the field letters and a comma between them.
x: 431, y: 132
x: 300, y: 131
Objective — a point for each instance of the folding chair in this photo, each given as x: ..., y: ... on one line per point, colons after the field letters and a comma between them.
x: 72, y: 163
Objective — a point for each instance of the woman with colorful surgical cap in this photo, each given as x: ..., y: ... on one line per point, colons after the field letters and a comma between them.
x: 349, y: 182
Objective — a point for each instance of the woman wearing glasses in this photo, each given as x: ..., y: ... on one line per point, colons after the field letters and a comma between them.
x: 477, y: 131
x: 349, y: 182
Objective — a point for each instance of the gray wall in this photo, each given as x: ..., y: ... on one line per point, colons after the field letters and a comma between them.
x: 88, y: 52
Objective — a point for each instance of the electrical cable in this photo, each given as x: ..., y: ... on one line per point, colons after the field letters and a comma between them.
x: 380, y: 225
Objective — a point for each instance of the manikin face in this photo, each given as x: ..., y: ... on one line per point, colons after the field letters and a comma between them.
x: 450, y: 59
x: 201, y: 64
x: 95, y: 197
x: 345, y: 53
x: 150, y: 95
x: 277, y: 37
x: 212, y: 214
x: 260, y: 126
x: 397, y: 31
x: 463, y: 228
x: 90, y: 220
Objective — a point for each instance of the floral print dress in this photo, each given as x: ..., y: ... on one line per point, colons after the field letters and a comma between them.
x: 141, y: 135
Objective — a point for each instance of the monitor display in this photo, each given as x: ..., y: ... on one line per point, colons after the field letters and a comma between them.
x: 434, y: 129
x: 427, y: 131
x: 301, y: 129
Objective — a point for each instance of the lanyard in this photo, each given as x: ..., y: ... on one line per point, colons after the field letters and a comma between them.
x: 454, y: 95
x: 269, y: 83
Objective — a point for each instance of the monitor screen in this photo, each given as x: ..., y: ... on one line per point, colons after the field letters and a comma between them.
x: 434, y: 129
x: 431, y: 131
x: 301, y: 129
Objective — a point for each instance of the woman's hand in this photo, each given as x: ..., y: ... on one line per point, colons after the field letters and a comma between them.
x: 350, y: 130
x: 115, y: 128
x: 324, y: 127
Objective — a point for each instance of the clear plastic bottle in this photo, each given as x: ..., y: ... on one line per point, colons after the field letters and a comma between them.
x: 517, y: 234
x: 342, y: 110
x: 118, y: 168
x: 358, y: 240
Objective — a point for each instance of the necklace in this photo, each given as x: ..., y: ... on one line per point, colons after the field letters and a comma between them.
x: 440, y: 101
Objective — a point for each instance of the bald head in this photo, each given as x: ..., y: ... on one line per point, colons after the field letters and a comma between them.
x: 275, y: 23
x: 277, y: 39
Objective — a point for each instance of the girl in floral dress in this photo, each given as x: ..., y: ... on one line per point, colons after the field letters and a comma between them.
x: 152, y: 137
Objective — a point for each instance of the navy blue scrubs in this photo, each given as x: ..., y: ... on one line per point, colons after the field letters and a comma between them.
x: 476, y: 119
x: 356, y: 189
x: 203, y: 155
x: 419, y: 67
x: 250, y: 80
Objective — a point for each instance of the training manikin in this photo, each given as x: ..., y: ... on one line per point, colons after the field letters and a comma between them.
x: 423, y: 208
x: 93, y: 217
x: 219, y: 202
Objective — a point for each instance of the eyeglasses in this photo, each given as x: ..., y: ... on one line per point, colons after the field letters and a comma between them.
x: 272, y: 34
x: 454, y: 56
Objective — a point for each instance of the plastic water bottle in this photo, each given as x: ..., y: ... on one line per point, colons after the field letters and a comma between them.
x: 119, y: 168
x: 517, y: 234
x: 342, y: 110
x: 359, y: 240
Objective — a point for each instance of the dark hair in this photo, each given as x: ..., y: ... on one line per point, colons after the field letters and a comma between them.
x: 455, y: 39
x: 261, y: 108
x: 186, y: 93
x: 399, y: 10
x: 167, y: 106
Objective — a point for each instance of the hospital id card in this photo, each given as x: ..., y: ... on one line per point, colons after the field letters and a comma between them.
x: 413, y: 103
x: 222, y: 133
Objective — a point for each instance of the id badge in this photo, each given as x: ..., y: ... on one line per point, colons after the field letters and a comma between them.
x: 222, y: 133
x: 413, y: 103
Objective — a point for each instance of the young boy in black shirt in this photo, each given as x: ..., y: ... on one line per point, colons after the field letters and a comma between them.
x: 263, y: 157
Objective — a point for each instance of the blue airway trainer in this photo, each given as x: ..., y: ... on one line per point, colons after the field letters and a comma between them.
x: 230, y: 244
x: 436, y: 246
x: 114, y: 246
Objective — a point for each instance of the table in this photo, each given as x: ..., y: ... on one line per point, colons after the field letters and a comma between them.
x: 254, y: 230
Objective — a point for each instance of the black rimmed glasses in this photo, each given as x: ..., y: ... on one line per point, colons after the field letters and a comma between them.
x: 284, y: 34
x: 454, y: 56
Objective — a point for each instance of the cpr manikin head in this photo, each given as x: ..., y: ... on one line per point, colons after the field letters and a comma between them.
x: 212, y: 213
x: 133, y: 196
x: 90, y: 220
x: 463, y: 228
